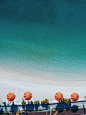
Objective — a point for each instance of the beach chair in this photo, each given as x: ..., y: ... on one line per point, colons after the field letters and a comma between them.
x: 46, y: 113
x: 17, y: 113
x: 10, y: 113
x: 56, y: 113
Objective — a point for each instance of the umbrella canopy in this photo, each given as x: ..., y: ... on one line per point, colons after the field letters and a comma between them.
x: 11, y: 96
x: 74, y: 97
x: 27, y: 95
x: 58, y: 96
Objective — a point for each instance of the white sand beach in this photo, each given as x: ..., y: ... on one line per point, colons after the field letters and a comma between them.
x: 18, y: 83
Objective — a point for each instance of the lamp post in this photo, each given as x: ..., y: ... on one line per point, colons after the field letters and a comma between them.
x: 50, y: 110
x: 83, y: 104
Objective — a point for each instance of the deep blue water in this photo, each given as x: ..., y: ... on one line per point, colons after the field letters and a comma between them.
x: 44, y: 38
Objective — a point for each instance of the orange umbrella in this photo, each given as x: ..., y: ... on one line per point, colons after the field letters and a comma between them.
x: 27, y: 95
x: 74, y: 97
x: 58, y: 96
x: 11, y: 96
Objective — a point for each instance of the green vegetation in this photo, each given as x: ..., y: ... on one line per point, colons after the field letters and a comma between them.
x: 84, y: 96
x: 7, y: 112
x: 31, y: 102
x: 46, y: 101
x: 36, y: 102
x: 13, y: 103
x: 23, y: 102
x: 4, y: 111
x: 65, y: 100
x: 8, y: 103
x: 0, y: 105
x: 4, y: 103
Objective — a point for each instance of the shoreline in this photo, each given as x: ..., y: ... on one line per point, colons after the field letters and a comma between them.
x: 4, y: 69
x: 41, y: 88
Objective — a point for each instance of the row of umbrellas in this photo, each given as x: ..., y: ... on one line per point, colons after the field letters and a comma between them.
x: 59, y: 96
x: 28, y: 95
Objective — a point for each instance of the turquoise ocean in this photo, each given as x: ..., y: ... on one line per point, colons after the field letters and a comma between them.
x: 44, y: 38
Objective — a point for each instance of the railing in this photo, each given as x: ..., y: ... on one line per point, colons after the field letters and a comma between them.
x: 42, y: 107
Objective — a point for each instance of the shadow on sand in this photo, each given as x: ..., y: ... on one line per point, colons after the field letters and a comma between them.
x: 74, y: 108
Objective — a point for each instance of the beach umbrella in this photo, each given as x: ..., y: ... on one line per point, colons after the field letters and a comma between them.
x: 11, y: 96
x: 74, y: 97
x: 58, y: 96
x: 27, y: 95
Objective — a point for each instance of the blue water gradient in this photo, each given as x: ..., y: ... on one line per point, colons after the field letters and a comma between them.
x: 53, y: 46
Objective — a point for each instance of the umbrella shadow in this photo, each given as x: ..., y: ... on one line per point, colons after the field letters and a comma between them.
x: 23, y: 107
x: 1, y: 110
x: 60, y: 107
x: 29, y: 107
x: 37, y: 106
x: 67, y: 106
x: 46, y: 106
x: 5, y: 107
x: 14, y: 108
x: 74, y: 108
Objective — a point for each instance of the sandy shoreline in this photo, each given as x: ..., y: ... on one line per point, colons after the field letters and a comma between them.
x: 12, y: 81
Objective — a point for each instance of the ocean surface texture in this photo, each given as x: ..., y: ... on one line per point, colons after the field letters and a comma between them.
x: 44, y: 38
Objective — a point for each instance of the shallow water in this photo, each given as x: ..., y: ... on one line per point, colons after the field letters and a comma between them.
x: 45, y: 48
